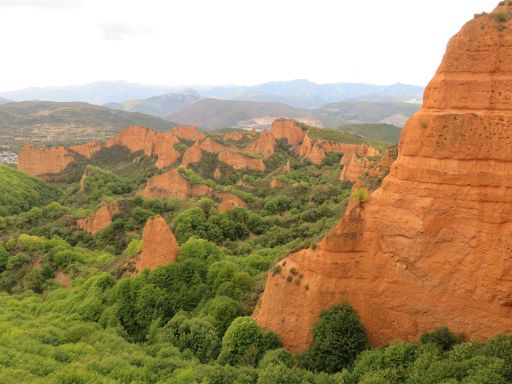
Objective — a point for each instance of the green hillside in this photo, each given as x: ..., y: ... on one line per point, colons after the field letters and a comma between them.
x: 160, y: 106
x: 216, y: 114
x: 19, y: 192
x: 387, y: 133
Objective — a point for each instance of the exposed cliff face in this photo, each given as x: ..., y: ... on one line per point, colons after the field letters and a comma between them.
x: 432, y: 246
x: 172, y: 184
x: 159, y: 246
x: 239, y: 161
x: 83, y: 179
x: 230, y: 201
x: 355, y: 168
x: 88, y: 150
x: 289, y: 130
x: 264, y: 145
x: 44, y: 161
x: 212, y: 146
x: 188, y: 133
x: 311, y: 151
x: 161, y: 144
x: 192, y: 155
x: 100, y: 220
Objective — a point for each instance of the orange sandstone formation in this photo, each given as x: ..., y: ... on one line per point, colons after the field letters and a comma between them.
x: 432, y: 246
x: 217, y: 174
x: 161, y: 144
x: 312, y: 151
x: 88, y: 150
x: 275, y: 183
x: 83, y: 179
x: 44, y: 161
x: 100, y: 220
x: 230, y: 201
x: 192, y: 155
x: 188, y: 133
x: 264, y: 145
x: 355, y: 168
x: 289, y: 130
x: 159, y: 246
x: 172, y: 184
x: 239, y: 161
x: 212, y: 146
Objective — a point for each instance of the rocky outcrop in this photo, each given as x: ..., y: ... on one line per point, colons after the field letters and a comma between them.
x: 432, y: 246
x: 100, y: 220
x: 287, y: 129
x: 188, y: 133
x: 192, y: 155
x: 88, y: 150
x: 368, y: 150
x: 83, y: 179
x: 229, y: 201
x: 212, y: 146
x: 217, y: 174
x: 239, y: 161
x: 160, y: 144
x: 355, y: 169
x: 44, y: 161
x: 159, y: 246
x: 275, y: 184
x: 389, y: 157
x: 287, y: 168
x: 173, y: 184
x: 264, y: 145
x: 311, y: 151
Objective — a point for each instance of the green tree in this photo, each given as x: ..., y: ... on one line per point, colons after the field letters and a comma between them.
x: 338, y: 337
x: 443, y: 338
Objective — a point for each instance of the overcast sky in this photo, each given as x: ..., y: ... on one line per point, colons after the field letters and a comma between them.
x: 178, y: 42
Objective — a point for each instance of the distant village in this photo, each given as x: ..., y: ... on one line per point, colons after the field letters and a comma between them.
x: 8, y: 157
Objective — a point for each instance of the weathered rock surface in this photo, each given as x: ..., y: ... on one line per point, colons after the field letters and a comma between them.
x: 161, y: 144
x: 275, y: 184
x: 311, y: 151
x: 172, y: 184
x: 212, y: 146
x: 192, y: 155
x: 100, y: 220
x: 159, y: 246
x: 355, y: 168
x: 230, y: 201
x: 88, y: 150
x: 287, y: 129
x: 188, y: 133
x: 83, y: 179
x: 239, y: 161
x: 432, y: 246
x: 264, y: 145
x: 44, y: 161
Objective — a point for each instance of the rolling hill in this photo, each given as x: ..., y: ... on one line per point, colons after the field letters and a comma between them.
x: 4, y: 101
x: 380, y: 132
x: 215, y: 114
x: 160, y: 106
x: 46, y: 122
x: 335, y: 114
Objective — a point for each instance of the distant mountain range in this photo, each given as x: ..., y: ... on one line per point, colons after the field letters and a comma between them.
x: 161, y: 106
x: 215, y: 113
x: 302, y: 94
x: 4, y: 101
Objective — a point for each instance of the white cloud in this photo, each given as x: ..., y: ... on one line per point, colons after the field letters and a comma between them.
x: 49, y: 4
x: 119, y: 30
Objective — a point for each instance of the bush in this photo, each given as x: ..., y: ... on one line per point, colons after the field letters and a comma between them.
x: 338, y: 337
x: 443, y: 338
x: 244, y: 343
x: 360, y: 194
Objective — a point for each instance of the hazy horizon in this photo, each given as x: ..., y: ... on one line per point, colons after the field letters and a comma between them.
x: 76, y: 42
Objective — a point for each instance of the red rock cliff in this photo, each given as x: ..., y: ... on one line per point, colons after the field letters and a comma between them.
x: 289, y: 130
x: 100, y: 220
x: 172, y: 184
x: 264, y: 145
x: 88, y: 150
x: 432, y: 246
x: 188, y: 133
x: 239, y: 161
x: 161, y: 144
x: 192, y: 155
x: 159, y: 246
x: 44, y: 161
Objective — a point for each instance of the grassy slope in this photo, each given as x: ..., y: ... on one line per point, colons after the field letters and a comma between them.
x: 20, y: 192
x: 375, y: 131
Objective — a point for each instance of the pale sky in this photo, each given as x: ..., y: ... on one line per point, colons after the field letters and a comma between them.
x: 209, y: 42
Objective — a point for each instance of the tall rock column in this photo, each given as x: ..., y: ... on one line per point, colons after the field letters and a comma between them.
x: 432, y: 247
